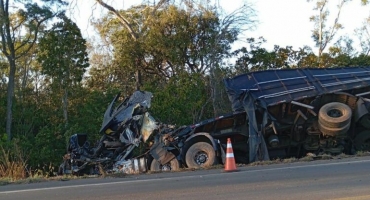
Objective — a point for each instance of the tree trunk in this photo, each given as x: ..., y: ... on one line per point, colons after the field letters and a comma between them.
x: 65, y: 106
x: 10, y: 96
x: 213, y: 87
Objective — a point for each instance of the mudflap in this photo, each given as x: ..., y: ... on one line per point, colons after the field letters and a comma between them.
x: 160, y: 153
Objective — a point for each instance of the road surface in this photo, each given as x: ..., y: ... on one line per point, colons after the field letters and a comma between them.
x: 334, y: 179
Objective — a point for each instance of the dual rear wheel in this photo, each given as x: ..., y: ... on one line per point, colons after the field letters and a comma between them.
x: 335, y: 119
x: 199, y: 155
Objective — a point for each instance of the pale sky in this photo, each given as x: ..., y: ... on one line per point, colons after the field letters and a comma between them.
x: 281, y: 22
x: 286, y: 22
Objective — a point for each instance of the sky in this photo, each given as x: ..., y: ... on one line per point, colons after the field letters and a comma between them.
x: 281, y: 22
x: 286, y: 22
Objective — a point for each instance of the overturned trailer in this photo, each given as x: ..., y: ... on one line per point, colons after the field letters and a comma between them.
x: 276, y: 114
x: 311, y: 110
x: 284, y: 113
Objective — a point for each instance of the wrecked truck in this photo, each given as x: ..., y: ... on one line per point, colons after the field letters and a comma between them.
x: 276, y: 114
x: 283, y: 113
x: 127, y: 126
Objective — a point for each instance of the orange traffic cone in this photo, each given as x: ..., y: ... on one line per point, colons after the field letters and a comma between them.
x: 230, y: 165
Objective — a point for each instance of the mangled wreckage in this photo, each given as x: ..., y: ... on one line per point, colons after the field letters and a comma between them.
x: 276, y: 114
x: 125, y: 126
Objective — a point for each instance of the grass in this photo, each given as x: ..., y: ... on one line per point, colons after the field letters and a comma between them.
x: 13, y: 167
x: 362, y: 153
x: 14, y: 170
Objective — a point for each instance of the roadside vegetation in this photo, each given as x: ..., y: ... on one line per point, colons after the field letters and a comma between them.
x: 15, y: 172
x: 54, y: 82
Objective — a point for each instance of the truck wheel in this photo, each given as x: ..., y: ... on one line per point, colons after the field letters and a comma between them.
x: 341, y: 131
x: 335, y: 115
x: 173, y: 165
x: 200, y: 154
x: 362, y: 141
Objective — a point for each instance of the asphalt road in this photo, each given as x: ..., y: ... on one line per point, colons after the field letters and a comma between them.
x: 334, y: 179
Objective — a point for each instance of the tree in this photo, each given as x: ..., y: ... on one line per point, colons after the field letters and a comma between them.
x: 167, y: 37
x: 322, y: 34
x: 136, y: 29
x: 134, y: 34
x: 363, y: 34
x: 184, y: 95
x: 16, y: 34
x: 344, y: 45
x: 104, y: 71
x: 63, y: 57
x: 256, y: 58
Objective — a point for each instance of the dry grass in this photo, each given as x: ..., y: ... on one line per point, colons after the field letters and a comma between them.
x: 266, y: 162
x: 343, y: 155
x: 6, y: 181
x: 362, y: 153
x: 45, y: 171
x: 326, y: 157
x: 290, y: 160
x: 13, y: 168
x: 307, y: 159
x: 12, y: 165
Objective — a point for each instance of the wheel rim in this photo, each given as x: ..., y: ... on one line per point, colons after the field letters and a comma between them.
x: 335, y: 113
x: 166, y: 167
x: 201, y: 157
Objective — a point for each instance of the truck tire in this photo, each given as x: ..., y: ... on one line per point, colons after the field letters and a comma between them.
x: 334, y: 132
x: 173, y: 165
x: 200, y: 154
x: 335, y: 115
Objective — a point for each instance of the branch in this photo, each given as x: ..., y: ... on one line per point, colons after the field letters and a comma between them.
x: 19, y: 25
x: 334, y: 29
x: 160, y: 3
x: 33, y: 39
x: 120, y: 17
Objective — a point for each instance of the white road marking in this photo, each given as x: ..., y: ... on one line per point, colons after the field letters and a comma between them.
x: 183, y: 177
